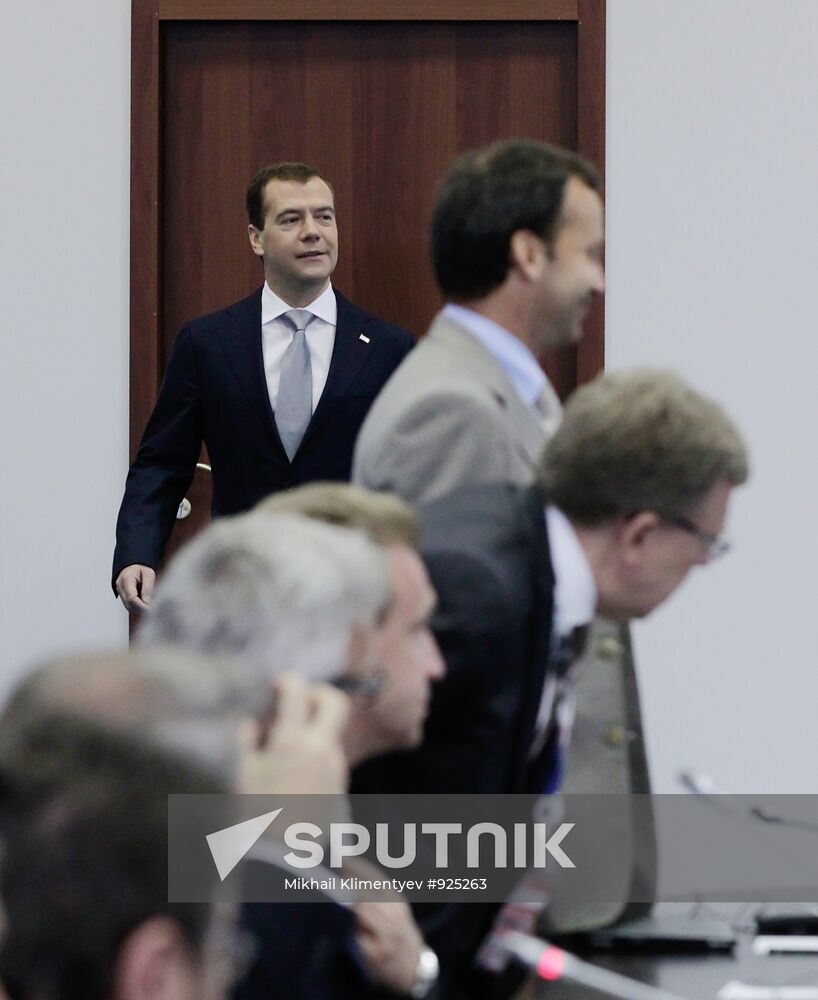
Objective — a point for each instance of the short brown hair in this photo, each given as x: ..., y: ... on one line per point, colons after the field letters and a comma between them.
x: 486, y: 197
x: 385, y: 518
x: 285, y: 171
x: 639, y: 440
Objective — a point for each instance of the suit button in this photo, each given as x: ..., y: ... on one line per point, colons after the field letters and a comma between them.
x: 616, y: 736
x: 609, y: 648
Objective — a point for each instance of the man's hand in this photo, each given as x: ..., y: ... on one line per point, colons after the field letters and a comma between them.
x: 390, y: 942
x: 297, y: 748
x: 135, y: 586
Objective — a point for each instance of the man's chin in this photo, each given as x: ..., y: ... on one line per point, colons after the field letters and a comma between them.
x: 563, y: 336
x: 414, y: 739
x: 315, y: 266
x: 576, y: 332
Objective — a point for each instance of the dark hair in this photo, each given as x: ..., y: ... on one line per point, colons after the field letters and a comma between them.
x: 487, y: 196
x: 85, y: 853
x: 254, y: 199
x: 639, y: 440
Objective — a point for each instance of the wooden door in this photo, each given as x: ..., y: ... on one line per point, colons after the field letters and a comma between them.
x: 381, y: 95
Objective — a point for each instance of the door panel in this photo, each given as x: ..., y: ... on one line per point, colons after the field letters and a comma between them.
x: 380, y: 108
x: 380, y: 105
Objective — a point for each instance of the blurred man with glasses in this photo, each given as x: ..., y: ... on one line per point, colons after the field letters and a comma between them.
x: 632, y: 492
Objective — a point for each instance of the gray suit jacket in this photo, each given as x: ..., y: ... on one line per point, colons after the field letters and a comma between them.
x: 449, y: 417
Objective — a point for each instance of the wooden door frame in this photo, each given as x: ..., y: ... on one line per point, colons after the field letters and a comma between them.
x: 147, y: 17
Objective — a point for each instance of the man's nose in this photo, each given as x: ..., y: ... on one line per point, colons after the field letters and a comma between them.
x: 599, y: 278
x: 309, y: 230
x: 437, y: 665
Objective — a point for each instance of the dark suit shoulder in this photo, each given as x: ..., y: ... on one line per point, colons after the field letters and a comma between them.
x: 477, y: 543
x: 304, y: 951
x: 475, y: 592
x: 247, y: 310
x: 474, y: 516
x: 390, y: 334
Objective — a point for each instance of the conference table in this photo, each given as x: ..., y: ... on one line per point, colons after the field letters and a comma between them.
x: 740, y: 975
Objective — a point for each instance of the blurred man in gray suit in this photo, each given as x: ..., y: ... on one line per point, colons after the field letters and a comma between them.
x: 517, y: 240
x: 517, y: 243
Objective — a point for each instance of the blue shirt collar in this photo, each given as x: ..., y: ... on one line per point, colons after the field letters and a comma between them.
x: 519, y: 364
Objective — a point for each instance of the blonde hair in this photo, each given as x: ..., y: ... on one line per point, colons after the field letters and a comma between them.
x: 385, y: 518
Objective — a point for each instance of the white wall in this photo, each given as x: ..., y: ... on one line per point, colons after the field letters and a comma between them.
x: 712, y: 168
x: 64, y: 122
x: 712, y: 254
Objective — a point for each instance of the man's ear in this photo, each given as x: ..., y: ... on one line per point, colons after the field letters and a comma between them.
x: 635, y: 531
x: 360, y: 651
x: 255, y: 240
x: 527, y: 253
x: 153, y: 962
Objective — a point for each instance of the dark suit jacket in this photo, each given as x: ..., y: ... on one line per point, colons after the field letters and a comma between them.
x: 215, y: 391
x: 486, y: 549
x: 303, y: 950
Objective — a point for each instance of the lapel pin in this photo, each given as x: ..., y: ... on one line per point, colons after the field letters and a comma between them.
x: 364, y: 338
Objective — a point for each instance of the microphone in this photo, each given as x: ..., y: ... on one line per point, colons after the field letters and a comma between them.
x: 701, y: 783
x: 697, y: 782
x: 551, y: 964
x: 762, y: 821
x: 767, y: 816
x: 773, y: 919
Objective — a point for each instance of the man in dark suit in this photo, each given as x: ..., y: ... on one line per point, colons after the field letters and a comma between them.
x: 276, y: 385
x: 631, y: 493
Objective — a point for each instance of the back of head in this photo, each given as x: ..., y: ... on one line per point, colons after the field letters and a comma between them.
x: 176, y: 698
x: 639, y: 440
x: 85, y: 854
x: 276, y: 592
x: 486, y: 197
x: 385, y: 518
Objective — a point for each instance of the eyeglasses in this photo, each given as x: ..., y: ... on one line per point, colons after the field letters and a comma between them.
x: 715, y: 544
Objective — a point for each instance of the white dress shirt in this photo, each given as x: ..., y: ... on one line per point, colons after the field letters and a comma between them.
x: 277, y: 334
x: 575, y: 598
x: 575, y: 593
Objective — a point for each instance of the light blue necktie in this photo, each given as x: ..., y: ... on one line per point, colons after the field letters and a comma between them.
x: 294, y: 403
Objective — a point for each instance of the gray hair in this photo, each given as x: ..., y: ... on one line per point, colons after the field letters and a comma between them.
x: 639, y: 440
x: 177, y: 700
x: 275, y: 592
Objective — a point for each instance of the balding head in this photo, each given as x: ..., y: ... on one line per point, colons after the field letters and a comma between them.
x: 177, y: 699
